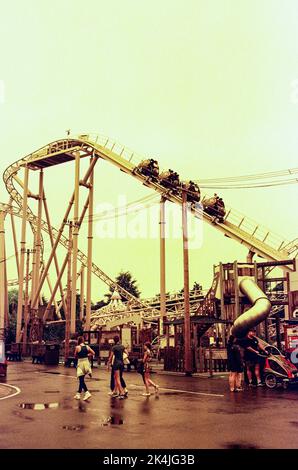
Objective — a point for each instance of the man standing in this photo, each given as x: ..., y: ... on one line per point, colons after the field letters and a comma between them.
x: 252, y: 356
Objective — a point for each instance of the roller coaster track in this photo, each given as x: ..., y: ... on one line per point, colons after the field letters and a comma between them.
x: 235, y: 225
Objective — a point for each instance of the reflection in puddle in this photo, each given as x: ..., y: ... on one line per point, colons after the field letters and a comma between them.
x: 49, y: 372
x: 38, y: 406
x: 112, y: 420
x: 75, y: 427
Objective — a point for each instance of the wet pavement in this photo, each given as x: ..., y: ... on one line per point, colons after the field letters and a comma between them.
x: 37, y: 410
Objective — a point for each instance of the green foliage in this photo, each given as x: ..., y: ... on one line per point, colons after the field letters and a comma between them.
x: 12, y: 315
x: 54, y: 332
x: 196, y: 288
x: 125, y: 280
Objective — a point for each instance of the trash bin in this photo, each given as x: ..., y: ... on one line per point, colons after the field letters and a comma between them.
x: 52, y: 354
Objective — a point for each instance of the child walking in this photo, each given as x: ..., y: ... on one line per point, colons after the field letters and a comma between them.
x: 81, y: 353
x: 146, y: 373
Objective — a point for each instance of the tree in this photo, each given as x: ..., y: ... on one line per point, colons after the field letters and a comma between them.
x: 12, y: 316
x: 196, y: 288
x: 125, y: 280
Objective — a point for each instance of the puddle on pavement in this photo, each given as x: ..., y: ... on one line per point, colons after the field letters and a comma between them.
x: 75, y: 427
x: 52, y: 391
x: 112, y: 420
x: 39, y: 406
x: 19, y: 414
x: 49, y: 372
x: 294, y: 423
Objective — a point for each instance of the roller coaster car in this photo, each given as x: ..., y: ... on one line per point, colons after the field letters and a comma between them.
x: 193, y: 191
x: 169, y: 179
x: 215, y: 206
x: 149, y: 167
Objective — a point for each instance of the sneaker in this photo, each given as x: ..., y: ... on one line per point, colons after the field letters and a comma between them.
x: 232, y: 390
x: 77, y: 396
x: 114, y: 395
x: 87, y: 395
x: 239, y: 389
x: 121, y: 397
x: 146, y: 394
x: 251, y: 384
x: 126, y: 393
x: 156, y: 387
x: 260, y: 384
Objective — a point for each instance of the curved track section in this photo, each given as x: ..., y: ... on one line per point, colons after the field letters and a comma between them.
x: 235, y: 225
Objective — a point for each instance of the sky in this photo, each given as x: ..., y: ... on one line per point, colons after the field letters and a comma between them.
x: 206, y: 87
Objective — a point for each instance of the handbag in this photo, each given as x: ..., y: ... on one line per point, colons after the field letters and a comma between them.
x: 126, y: 361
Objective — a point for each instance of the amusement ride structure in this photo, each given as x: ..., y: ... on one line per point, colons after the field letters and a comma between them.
x: 212, y: 210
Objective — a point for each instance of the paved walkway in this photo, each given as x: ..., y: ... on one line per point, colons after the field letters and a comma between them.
x: 187, y: 413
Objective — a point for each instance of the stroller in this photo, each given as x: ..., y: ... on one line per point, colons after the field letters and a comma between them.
x: 277, y: 370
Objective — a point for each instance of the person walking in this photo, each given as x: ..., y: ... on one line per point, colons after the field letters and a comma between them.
x: 83, y: 367
x: 235, y: 364
x: 117, y: 384
x: 146, y: 373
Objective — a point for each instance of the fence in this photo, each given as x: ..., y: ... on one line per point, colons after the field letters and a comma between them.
x: 203, y: 359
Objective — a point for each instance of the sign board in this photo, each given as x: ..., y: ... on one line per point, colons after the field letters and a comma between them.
x: 291, y: 337
x: 126, y: 337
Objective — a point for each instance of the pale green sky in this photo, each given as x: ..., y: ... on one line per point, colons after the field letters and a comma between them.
x: 205, y: 86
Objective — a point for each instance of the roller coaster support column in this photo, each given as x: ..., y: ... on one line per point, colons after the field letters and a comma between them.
x: 82, y: 290
x: 45, y: 316
x: 250, y: 255
x: 187, y: 348
x: 46, y: 210
x: 33, y: 287
x: 15, y: 243
x: 68, y: 296
x: 75, y: 234
x: 55, y: 302
x: 60, y: 232
x: 162, y: 267
x: 89, y: 254
x: 26, y: 304
x: 22, y: 258
x: 236, y: 290
x: 6, y: 301
x: 3, y: 284
x: 36, y: 273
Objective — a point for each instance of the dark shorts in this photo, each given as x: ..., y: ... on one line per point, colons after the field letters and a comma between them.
x: 238, y: 369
